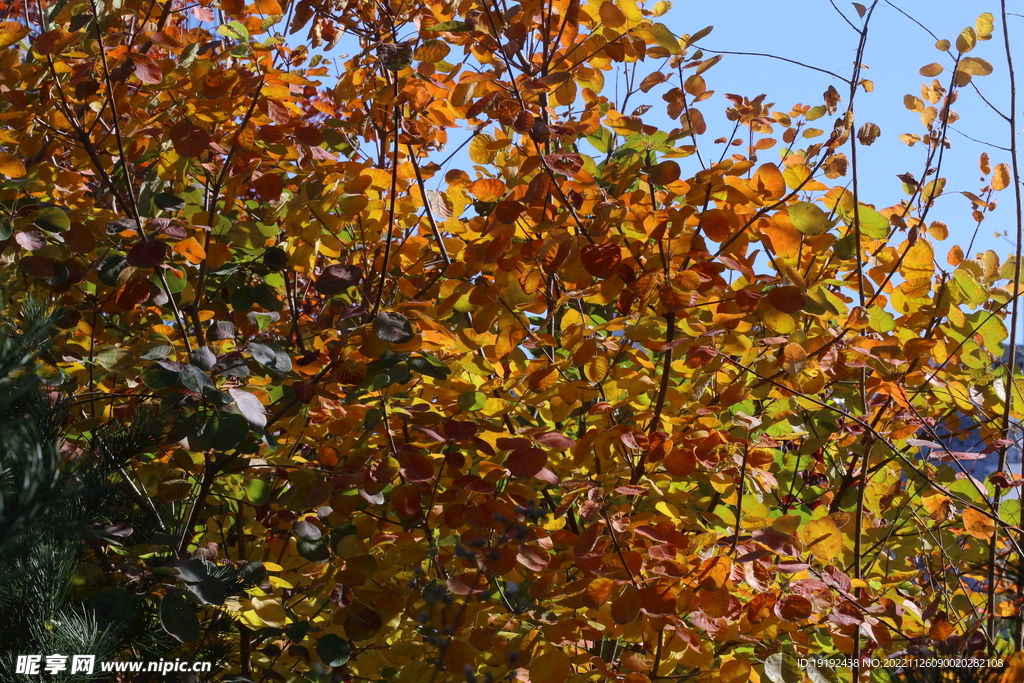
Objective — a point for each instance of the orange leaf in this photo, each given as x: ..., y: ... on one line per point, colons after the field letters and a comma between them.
x: 191, y: 250
x: 11, y: 166
x: 1001, y: 177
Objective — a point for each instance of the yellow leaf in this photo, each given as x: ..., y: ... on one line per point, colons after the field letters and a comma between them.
x: 984, y: 25
x: 931, y: 70
x: 822, y: 537
x: 975, y: 66
x: 478, y: 149
x: 978, y: 525
x: 1001, y: 177
x: 11, y: 32
x: 597, y: 368
x: 11, y: 166
x: 630, y: 9
x: 551, y: 667
x: 661, y: 7
x: 432, y: 51
x: 920, y: 260
x: 666, y: 38
x: 967, y: 39
x: 270, y: 612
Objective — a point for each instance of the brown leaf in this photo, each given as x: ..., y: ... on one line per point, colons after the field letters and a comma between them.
x: 793, y: 608
x: 868, y: 133
x: 601, y: 260
x: 563, y: 162
x: 189, y: 140
x: 664, y: 173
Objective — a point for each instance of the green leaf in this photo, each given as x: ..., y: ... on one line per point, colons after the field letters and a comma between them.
x: 307, y: 531
x: 782, y: 667
x: 188, y: 55
x: 602, y: 140
x: 270, y: 356
x: 809, y: 218
x: 314, y: 551
x: 258, y: 491
x: 429, y: 366
x: 114, y: 359
x: 333, y: 650
x: 178, y: 619
x: 451, y: 27
x: 113, y: 608
x: 225, y: 430
x: 52, y: 219
x: 472, y: 400
x: 195, y: 380
x: 234, y: 29
x: 263, y: 320
x: 872, y: 223
x: 970, y: 287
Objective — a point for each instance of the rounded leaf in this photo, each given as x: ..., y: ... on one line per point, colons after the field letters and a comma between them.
x: 809, y: 218
x: 178, y: 619
x: 333, y: 650
x: 553, y: 666
x: 393, y: 327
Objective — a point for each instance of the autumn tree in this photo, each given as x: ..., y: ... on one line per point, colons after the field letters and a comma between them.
x: 464, y: 369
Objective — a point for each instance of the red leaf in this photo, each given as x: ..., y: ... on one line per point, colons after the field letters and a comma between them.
x: 555, y: 441
x: 523, y: 123
x: 415, y: 467
x: 147, y: 70
x: 535, y: 559
x: 457, y: 430
x: 787, y: 299
x: 658, y: 600
x: 278, y: 113
x: 547, y: 475
x: 526, y: 463
x: 148, y: 254
x: 134, y: 293
x: 601, y: 260
x: 567, y: 163
x: 268, y: 186
x: 665, y: 173
x: 626, y: 607
x: 407, y: 501
x: 470, y: 583
x: 189, y: 140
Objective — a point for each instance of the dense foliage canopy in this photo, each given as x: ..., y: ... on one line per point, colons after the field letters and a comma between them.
x: 466, y: 370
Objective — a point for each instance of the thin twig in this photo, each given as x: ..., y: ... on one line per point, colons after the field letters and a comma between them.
x: 781, y: 59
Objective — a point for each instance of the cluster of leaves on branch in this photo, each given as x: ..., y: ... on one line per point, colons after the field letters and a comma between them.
x: 493, y: 377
